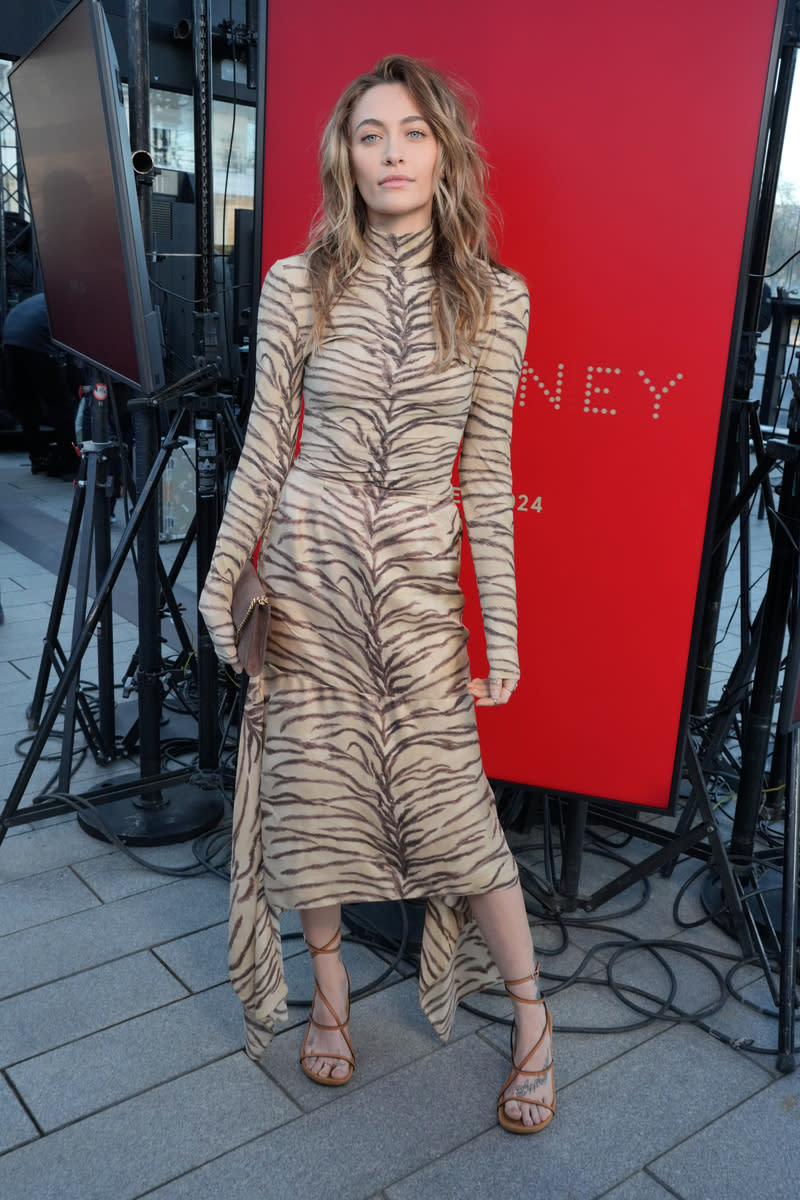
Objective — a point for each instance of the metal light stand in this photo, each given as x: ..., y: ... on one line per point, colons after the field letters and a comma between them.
x: 701, y: 840
x: 208, y: 509
x: 787, y: 999
x: 169, y: 604
x: 781, y: 605
x: 153, y: 815
x: 91, y: 512
x: 97, y: 522
x: 89, y: 522
x: 53, y: 655
x: 789, y: 726
x: 785, y: 311
x: 186, y: 812
x: 734, y: 701
x: 213, y: 412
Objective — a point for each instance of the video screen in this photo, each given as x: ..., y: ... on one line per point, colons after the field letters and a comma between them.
x: 68, y: 103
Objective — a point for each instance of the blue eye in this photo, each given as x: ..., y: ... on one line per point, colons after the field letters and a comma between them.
x: 368, y: 137
x: 416, y: 134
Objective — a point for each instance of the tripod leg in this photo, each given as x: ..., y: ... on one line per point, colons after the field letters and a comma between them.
x: 776, y: 612
x: 730, y: 889
x: 174, y: 609
x: 102, y: 557
x: 145, y: 423
x: 73, y: 663
x: 721, y: 722
x: 166, y: 582
x: 788, y: 961
x: 59, y: 598
x: 574, y: 833
x: 708, y: 636
x: 207, y: 523
x: 81, y: 596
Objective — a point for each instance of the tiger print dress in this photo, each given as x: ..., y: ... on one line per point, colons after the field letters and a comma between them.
x: 359, y: 775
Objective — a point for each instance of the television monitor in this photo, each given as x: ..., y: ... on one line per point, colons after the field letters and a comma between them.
x: 68, y: 104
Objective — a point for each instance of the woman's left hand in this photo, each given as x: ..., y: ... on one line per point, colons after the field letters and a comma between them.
x: 492, y: 691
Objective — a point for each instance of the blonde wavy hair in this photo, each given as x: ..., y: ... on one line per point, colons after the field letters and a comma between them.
x: 462, y: 260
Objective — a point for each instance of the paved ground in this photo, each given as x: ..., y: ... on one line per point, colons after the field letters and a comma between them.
x: 121, y: 1066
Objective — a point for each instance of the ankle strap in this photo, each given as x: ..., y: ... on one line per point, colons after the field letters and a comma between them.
x: 508, y: 984
x: 328, y: 948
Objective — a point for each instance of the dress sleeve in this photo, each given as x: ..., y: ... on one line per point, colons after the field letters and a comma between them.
x: 267, y: 453
x: 484, y: 472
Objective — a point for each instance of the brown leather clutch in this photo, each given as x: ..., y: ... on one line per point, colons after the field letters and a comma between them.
x: 250, y: 611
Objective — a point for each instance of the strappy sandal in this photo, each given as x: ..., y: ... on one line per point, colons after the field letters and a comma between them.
x: 327, y: 1080
x: 517, y: 1126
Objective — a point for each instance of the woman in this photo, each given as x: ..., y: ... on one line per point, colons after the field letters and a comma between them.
x: 359, y: 774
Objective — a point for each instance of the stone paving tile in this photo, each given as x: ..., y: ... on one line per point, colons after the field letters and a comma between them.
x: 43, y: 823
x: 750, y: 1027
x: 629, y: 1125
x: 99, y: 1070
x: 698, y: 990
x: 753, y: 1150
x: 43, y: 1018
x: 620, y: 937
x: 45, y: 847
x: 14, y: 719
x: 43, y: 779
x: 23, y: 636
x: 698, y: 983
x: 388, y: 1030
x: 10, y: 677
x: 126, y: 1150
x: 29, y: 665
x: 41, y: 898
x: 653, y: 918
x: 15, y: 831
x: 16, y: 1126
x: 365, y: 1138
x: 49, y: 952
x: 10, y: 758
x: 594, y: 943
x: 24, y: 609
x: 642, y: 1186
x: 117, y: 875
x: 200, y: 960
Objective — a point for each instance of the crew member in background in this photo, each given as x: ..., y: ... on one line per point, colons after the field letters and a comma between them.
x: 42, y: 383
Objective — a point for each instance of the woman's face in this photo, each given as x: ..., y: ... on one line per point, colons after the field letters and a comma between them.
x: 393, y: 157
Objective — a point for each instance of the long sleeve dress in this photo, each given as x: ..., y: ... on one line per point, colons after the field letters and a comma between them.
x: 359, y: 775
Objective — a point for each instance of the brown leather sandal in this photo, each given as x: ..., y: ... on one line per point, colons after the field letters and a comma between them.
x: 517, y: 1126
x: 331, y: 947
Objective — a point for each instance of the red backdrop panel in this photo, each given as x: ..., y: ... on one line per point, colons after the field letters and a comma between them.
x: 622, y: 138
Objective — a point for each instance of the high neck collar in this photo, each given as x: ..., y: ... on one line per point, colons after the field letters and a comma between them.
x: 400, y: 249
